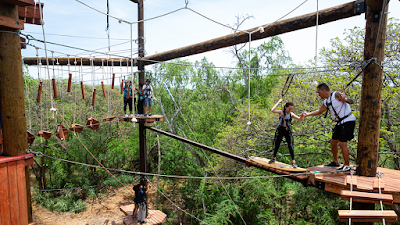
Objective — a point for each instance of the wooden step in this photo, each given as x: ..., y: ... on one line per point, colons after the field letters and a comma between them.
x: 367, y: 216
x: 367, y: 197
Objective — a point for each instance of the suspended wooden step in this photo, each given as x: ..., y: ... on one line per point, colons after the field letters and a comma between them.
x: 109, y: 118
x: 45, y: 134
x: 367, y: 216
x: 31, y: 137
x: 367, y: 197
x: 92, y: 124
x: 276, y: 165
x: 154, y: 216
x: 62, y: 132
x: 76, y: 128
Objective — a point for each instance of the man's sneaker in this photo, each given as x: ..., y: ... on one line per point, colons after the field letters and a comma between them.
x: 126, y: 115
x: 344, y: 168
x: 332, y: 164
x: 131, y: 114
x: 150, y: 114
x: 271, y: 161
x: 294, y: 165
x: 145, y: 114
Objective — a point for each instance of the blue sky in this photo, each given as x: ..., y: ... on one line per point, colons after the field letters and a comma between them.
x: 68, y: 17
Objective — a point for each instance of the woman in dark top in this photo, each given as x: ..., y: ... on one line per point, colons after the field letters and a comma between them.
x: 285, y: 122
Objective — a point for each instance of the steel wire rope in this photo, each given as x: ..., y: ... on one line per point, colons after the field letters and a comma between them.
x: 263, y: 27
x: 39, y: 154
x: 212, y: 166
x: 192, y: 65
x: 380, y: 24
x: 72, y: 36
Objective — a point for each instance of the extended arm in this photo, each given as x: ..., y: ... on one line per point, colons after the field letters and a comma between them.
x: 274, y: 110
x: 296, y: 117
x: 322, y: 109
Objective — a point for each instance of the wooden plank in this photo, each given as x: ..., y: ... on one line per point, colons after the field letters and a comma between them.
x: 5, y: 218
x: 21, y: 183
x: 277, y: 165
x: 19, y: 2
x: 30, y: 14
x: 11, y: 23
x: 13, y: 192
x: 5, y: 159
x: 367, y: 215
x: 367, y: 197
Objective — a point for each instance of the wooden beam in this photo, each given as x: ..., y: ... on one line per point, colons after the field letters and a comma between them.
x: 205, y: 147
x: 11, y: 23
x: 296, y: 23
x: 85, y: 61
x: 135, y: 1
x: 19, y: 2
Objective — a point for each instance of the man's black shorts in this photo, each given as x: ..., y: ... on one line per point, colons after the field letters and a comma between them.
x: 344, y: 132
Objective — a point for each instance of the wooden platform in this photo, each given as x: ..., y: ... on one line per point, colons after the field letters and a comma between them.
x: 154, y: 216
x: 336, y: 182
x: 143, y: 119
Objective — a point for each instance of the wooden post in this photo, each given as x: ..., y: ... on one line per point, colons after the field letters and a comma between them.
x: 371, y: 93
x: 12, y: 105
x: 142, y: 129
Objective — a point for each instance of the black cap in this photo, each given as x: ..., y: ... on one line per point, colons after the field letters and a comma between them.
x: 148, y: 80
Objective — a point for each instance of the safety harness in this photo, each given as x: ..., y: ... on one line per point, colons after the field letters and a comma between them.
x: 337, y: 119
x: 287, y: 121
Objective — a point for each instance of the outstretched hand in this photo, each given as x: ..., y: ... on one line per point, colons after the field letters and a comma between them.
x: 304, y: 114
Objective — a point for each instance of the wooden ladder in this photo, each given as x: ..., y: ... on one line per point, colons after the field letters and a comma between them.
x: 367, y: 215
x: 390, y: 216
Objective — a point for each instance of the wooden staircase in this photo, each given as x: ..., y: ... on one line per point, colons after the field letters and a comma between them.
x: 390, y: 216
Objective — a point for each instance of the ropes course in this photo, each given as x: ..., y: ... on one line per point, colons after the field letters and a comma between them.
x: 78, y: 75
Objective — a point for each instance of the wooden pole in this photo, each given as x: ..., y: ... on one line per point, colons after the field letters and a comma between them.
x: 12, y: 104
x: 142, y: 130
x: 371, y: 93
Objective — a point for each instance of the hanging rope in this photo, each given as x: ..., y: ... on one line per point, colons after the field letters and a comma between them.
x: 286, y: 87
x: 248, y: 88
x: 380, y: 192
x: 75, y: 88
x: 351, y: 189
x: 314, y: 84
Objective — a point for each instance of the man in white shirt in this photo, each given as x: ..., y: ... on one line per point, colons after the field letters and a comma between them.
x: 339, y: 106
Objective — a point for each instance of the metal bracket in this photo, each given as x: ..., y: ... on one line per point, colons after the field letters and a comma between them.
x: 360, y: 7
x: 376, y: 15
x: 320, y: 185
x: 365, y: 63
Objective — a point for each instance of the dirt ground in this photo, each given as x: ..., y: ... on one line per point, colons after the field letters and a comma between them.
x: 95, y: 214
